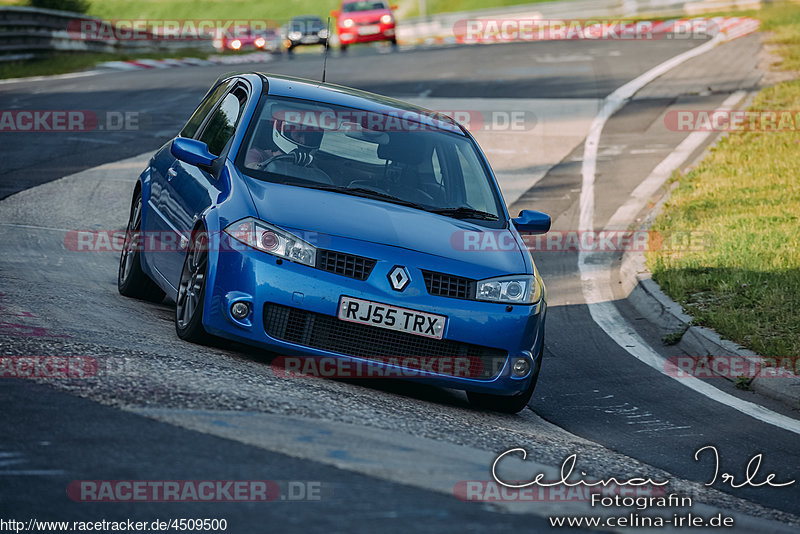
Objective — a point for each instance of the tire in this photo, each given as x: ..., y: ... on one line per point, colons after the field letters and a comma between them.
x: 508, y: 403
x: 192, y: 291
x: 131, y: 279
x: 343, y: 48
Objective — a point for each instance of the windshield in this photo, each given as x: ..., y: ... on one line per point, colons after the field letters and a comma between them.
x: 393, y: 158
x: 307, y: 24
x: 362, y: 5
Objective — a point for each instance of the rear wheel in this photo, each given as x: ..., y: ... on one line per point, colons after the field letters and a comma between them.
x: 192, y: 291
x: 343, y: 48
x: 131, y: 279
x: 508, y: 404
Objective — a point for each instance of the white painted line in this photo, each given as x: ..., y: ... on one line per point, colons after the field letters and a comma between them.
x: 67, y: 76
x: 119, y: 65
x: 594, y: 274
x: 95, y: 140
x: 34, y: 227
x: 32, y: 473
x: 645, y: 190
x: 612, y: 103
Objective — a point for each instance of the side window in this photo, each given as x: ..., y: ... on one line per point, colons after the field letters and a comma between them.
x: 476, y: 185
x: 204, y: 109
x: 437, y: 167
x: 222, y: 124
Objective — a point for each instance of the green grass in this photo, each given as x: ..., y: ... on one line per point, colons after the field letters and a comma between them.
x: 745, y: 196
x: 71, y: 62
x: 210, y: 9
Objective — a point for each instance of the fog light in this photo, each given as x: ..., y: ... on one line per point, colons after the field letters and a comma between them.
x: 240, y: 310
x: 522, y: 367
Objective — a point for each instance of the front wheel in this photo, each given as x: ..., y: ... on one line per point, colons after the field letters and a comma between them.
x: 192, y: 291
x: 132, y: 281
x: 506, y: 403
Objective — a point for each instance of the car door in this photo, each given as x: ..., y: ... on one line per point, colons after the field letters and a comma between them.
x: 159, y: 222
x: 191, y: 188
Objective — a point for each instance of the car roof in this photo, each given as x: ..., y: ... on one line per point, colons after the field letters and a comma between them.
x: 328, y: 93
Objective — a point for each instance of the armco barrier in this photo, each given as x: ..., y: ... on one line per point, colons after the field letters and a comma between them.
x: 26, y: 32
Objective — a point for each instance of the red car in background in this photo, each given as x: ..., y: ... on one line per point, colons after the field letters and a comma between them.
x: 246, y: 38
x: 364, y: 21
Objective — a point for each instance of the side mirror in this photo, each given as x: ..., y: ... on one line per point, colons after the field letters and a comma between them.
x: 192, y: 151
x: 335, y: 13
x: 532, y: 222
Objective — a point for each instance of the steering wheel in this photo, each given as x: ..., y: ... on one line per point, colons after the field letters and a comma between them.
x: 300, y: 158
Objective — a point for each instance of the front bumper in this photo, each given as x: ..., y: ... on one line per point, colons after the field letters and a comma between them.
x: 239, y: 273
x: 350, y: 35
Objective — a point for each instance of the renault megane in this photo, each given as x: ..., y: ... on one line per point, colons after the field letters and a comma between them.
x: 318, y: 221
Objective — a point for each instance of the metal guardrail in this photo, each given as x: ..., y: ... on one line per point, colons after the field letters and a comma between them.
x: 27, y: 32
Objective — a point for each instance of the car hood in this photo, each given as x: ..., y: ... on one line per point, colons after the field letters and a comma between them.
x: 376, y: 221
x: 373, y: 15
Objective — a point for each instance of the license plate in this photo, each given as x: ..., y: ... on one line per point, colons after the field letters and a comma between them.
x: 391, y: 317
x: 309, y: 39
x: 369, y: 30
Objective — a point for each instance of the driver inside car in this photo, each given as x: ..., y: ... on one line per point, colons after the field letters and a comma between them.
x: 289, y: 148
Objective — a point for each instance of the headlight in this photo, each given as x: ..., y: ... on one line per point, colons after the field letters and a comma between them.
x: 519, y: 289
x: 260, y: 42
x: 386, y: 19
x: 236, y: 44
x: 323, y: 34
x: 295, y: 36
x: 347, y: 23
x: 268, y: 238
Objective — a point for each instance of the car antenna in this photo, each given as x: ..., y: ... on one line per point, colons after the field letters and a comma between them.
x: 325, y: 58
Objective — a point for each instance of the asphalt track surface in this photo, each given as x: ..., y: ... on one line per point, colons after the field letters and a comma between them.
x: 166, y: 410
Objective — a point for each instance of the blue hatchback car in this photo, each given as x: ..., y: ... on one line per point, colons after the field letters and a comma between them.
x: 326, y: 223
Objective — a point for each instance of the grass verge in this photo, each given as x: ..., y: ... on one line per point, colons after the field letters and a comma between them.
x: 745, y: 199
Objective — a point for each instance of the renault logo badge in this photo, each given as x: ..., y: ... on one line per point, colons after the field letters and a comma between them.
x: 398, y: 277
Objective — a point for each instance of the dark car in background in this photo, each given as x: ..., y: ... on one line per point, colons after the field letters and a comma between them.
x: 305, y: 30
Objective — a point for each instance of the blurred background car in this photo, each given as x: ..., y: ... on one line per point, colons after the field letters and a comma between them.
x: 305, y: 30
x: 247, y: 38
x: 364, y: 21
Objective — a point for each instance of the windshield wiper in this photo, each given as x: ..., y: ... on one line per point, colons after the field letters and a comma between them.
x: 463, y: 212
x: 365, y: 192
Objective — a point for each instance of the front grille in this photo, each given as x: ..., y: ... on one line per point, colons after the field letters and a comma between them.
x: 344, y: 264
x: 329, y: 333
x: 447, y: 285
